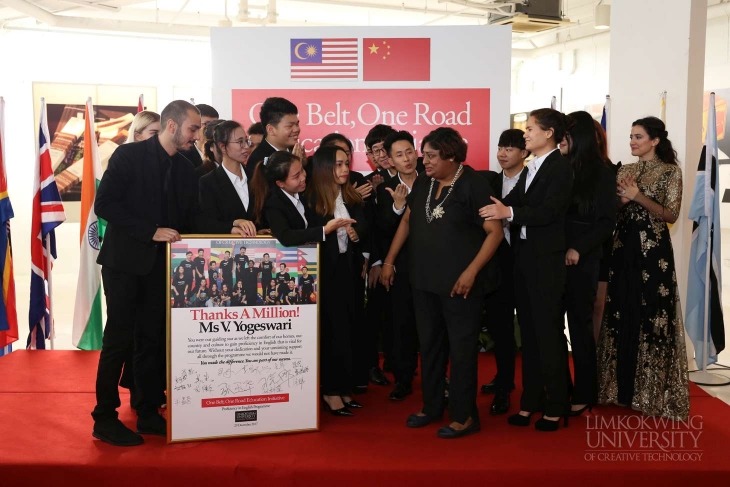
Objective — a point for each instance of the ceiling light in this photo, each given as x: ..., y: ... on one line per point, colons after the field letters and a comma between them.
x: 603, y: 16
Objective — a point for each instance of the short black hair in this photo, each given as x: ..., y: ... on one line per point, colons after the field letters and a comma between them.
x: 256, y: 129
x: 378, y: 134
x: 228, y: 252
x: 274, y: 109
x: 304, y: 268
x: 242, y: 248
x: 201, y: 250
x: 512, y: 138
x: 394, y: 137
x: 282, y: 263
x: 207, y: 111
x: 266, y: 253
x: 212, y: 262
x: 177, y: 111
x: 189, y: 252
x: 448, y: 142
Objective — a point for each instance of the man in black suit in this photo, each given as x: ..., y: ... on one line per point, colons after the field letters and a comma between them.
x: 148, y: 196
x: 536, y: 209
x: 391, y: 206
x: 280, y: 119
x: 195, y: 154
x: 500, y: 304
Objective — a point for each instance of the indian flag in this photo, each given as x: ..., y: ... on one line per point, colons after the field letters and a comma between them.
x: 87, y: 330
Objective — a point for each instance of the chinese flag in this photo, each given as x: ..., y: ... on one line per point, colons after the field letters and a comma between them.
x: 396, y: 59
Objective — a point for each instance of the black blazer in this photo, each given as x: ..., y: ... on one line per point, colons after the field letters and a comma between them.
x: 220, y: 202
x: 264, y: 149
x: 366, y: 243
x: 129, y: 199
x: 543, y: 207
x: 386, y: 225
x: 587, y: 233
x: 286, y: 224
x: 204, y: 169
x: 193, y: 156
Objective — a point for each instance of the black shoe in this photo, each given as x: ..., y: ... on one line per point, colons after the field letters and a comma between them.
x: 115, y: 433
x: 416, y: 421
x: 343, y: 411
x: 580, y: 411
x: 378, y: 378
x: 400, y: 392
x: 519, y: 420
x: 490, y: 388
x: 500, y: 404
x: 152, y: 425
x: 449, y: 432
x: 543, y: 424
x: 352, y: 404
x: 360, y: 389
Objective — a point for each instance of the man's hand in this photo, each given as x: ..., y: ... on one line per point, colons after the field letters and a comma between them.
x: 299, y: 151
x: 374, y: 276
x: 166, y: 235
x: 365, y: 190
x: 399, y: 196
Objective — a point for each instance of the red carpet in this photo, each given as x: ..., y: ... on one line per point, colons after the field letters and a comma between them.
x: 46, y: 398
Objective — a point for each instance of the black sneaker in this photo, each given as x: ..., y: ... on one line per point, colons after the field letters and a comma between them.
x: 400, y: 392
x: 115, y: 433
x: 152, y: 425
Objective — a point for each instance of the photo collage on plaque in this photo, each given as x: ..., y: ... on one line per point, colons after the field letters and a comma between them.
x: 208, y: 273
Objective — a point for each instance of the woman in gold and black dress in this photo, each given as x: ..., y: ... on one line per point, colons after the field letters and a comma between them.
x: 641, y: 352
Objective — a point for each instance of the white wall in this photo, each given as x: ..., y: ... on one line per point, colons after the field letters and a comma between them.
x: 178, y: 69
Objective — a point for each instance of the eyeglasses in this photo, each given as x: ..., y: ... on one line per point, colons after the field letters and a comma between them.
x: 242, y: 142
x: 379, y: 151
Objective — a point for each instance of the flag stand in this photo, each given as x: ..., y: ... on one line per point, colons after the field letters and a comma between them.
x: 49, y: 261
x: 702, y: 376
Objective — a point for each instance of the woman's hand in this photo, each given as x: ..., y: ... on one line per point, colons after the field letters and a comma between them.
x: 336, y: 223
x: 572, y: 257
x: 628, y: 189
x: 365, y: 190
x: 497, y: 211
x: 249, y: 229
x: 387, y: 276
x: 352, y: 234
x: 399, y: 196
x: 263, y: 231
x: 464, y: 284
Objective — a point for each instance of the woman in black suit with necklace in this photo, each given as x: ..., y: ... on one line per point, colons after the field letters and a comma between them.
x: 225, y: 198
x: 441, y: 219
x: 277, y: 185
x: 536, y: 208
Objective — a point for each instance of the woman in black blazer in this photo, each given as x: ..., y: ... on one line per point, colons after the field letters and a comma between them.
x: 225, y: 198
x: 536, y: 208
x: 277, y: 185
x: 590, y: 221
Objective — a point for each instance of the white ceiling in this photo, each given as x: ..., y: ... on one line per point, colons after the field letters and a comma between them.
x: 194, y: 17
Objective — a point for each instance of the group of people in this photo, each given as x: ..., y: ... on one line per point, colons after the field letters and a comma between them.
x: 211, y: 283
x: 566, y: 232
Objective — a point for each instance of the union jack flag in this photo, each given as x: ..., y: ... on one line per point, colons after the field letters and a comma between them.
x: 47, y: 215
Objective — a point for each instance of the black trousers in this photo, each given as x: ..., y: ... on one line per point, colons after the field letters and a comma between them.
x: 539, y: 288
x: 580, y: 294
x: 336, y: 330
x: 448, y: 329
x: 361, y: 340
x: 500, y: 315
x: 379, y: 323
x: 404, y: 351
x: 135, y: 320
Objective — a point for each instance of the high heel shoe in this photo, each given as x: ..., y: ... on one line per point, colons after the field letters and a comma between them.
x: 519, y: 420
x: 581, y: 410
x: 343, y: 411
x: 352, y: 404
x: 543, y: 424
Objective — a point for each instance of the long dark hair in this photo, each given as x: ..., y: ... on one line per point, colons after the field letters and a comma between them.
x: 586, y: 159
x: 656, y: 129
x: 265, y: 177
x: 323, y: 191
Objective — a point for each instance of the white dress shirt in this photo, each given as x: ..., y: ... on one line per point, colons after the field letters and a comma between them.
x: 508, y: 184
x: 240, y: 185
x: 532, y: 169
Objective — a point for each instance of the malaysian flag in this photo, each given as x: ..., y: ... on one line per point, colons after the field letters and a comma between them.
x: 324, y: 59
x: 47, y: 215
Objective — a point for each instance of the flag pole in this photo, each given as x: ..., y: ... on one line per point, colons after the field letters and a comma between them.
x: 49, y: 264
x: 702, y: 376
